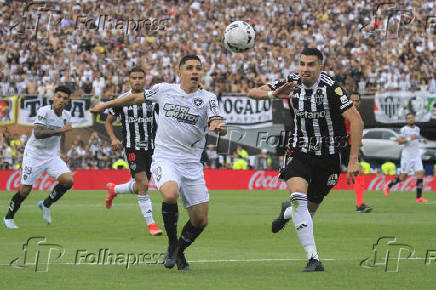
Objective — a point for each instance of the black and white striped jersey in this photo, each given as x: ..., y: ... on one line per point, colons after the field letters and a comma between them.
x: 139, y: 124
x: 318, y: 126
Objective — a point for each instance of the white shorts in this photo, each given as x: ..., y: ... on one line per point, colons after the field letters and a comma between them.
x: 188, y: 176
x: 33, y: 168
x: 410, y: 165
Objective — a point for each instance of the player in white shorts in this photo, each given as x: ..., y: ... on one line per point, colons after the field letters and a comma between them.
x: 185, y: 113
x: 41, y: 154
x: 411, y: 161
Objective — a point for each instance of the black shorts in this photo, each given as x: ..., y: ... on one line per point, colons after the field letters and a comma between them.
x: 321, y: 173
x: 139, y: 161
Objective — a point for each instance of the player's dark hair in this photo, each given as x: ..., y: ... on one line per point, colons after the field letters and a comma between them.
x: 136, y: 69
x: 410, y: 114
x: 189, y: 57
x: 356, y: 93
x: 64, y: 89
x: 313, y: 51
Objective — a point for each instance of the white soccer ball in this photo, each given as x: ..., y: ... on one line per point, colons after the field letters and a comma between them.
x: 239, y: 36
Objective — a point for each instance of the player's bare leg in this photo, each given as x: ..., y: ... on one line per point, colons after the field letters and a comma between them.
x: 170, y: 215
x: 419, y: 184
x: 303, y: 222
x: 65, y: 183
x: 141, y: 187
x: 394, y: 181
x: 15, y: 204
x: 198, y: 220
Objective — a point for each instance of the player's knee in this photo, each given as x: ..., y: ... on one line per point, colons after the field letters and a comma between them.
x: 67, y: 183
x: 25, y: 191
x: 200, y: 222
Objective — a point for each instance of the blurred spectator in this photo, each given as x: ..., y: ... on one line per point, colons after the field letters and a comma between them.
x: 7, y: 162
x: 212, y: 156
x: 389, y: 168
x: 263, y: 161
x: 242, y: 152
x: 238, y: 162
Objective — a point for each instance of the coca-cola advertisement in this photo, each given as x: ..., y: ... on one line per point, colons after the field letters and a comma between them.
x: 216, y: 179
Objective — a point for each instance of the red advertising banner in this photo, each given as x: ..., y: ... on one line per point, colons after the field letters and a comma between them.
x: 216, y: 179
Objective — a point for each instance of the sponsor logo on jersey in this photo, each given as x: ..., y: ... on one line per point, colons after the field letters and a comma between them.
x: 139, y: 119
x: 214, y: 107
x: 310, y: 115
x: 180, y: 113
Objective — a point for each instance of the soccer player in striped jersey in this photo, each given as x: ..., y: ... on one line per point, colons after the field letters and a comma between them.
x: 318, y: 107
x: 411, y: 162
x: 138, y: 129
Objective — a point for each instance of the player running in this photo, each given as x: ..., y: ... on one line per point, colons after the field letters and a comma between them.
x: 318, y: 109
x: 41, y: 154
x: 410, y: 136
x: 185, y: 113
x: 138, y: 129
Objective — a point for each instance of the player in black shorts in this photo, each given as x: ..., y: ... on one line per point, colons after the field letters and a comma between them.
x: 139, y: 129
x: 318, y: 106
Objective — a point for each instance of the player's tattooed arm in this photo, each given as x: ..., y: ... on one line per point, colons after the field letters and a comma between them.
x: 132, y: 99
x: 218, y: 125
x: 116, y: 143
x: 43, y: 133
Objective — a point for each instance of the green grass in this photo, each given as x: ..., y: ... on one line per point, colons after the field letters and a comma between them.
x: 237, y: 235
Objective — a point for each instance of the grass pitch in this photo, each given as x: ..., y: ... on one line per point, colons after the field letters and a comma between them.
x: 237, y: 250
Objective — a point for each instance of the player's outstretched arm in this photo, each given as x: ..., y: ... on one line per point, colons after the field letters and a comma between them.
x: 131, y: 99
x: 42, y: 133
x: 264, y: 92
x: 356, y: 129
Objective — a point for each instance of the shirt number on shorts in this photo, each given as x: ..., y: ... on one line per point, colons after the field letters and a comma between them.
x: 131, y: 157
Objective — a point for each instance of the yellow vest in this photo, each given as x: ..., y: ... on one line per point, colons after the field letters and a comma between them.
x: 120, y: 162
x: 366, y: 167
x: 388, y: 168
x: 240, y: 164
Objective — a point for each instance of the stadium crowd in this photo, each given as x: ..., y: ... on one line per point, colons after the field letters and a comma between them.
x: 366, y: 49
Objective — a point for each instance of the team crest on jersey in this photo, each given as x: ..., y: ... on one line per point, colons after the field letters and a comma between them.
x: 198, y: 102
x: 319, y: 97
x: 333, y: 179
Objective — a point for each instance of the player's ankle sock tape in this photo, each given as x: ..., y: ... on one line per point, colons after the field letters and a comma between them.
x: 170, y: 215
x: 394, y: 181
x: 188, y: 236
x: 56, y: 194
x: 15, y: 204
x: 419, y: 184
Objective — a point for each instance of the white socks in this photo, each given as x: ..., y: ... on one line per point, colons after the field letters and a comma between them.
x: 288, y: 213
x: 144, y: 203
x: 303, y: 224
x: 125, y: 188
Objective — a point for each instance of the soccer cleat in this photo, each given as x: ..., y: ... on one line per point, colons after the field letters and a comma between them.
x: 170, y: 255
x: 386, y: 190
x: 279, y: 222
x: 363, y: 208
x: 154, y: 230
x: 313, y: 265
x: 10, y: 223
x: 45, y: 212
x: 110, y: 194
x: 421, y: 199
x: 182, y: 265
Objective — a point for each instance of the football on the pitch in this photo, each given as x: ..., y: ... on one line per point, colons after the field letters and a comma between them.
x: 239, y: 36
